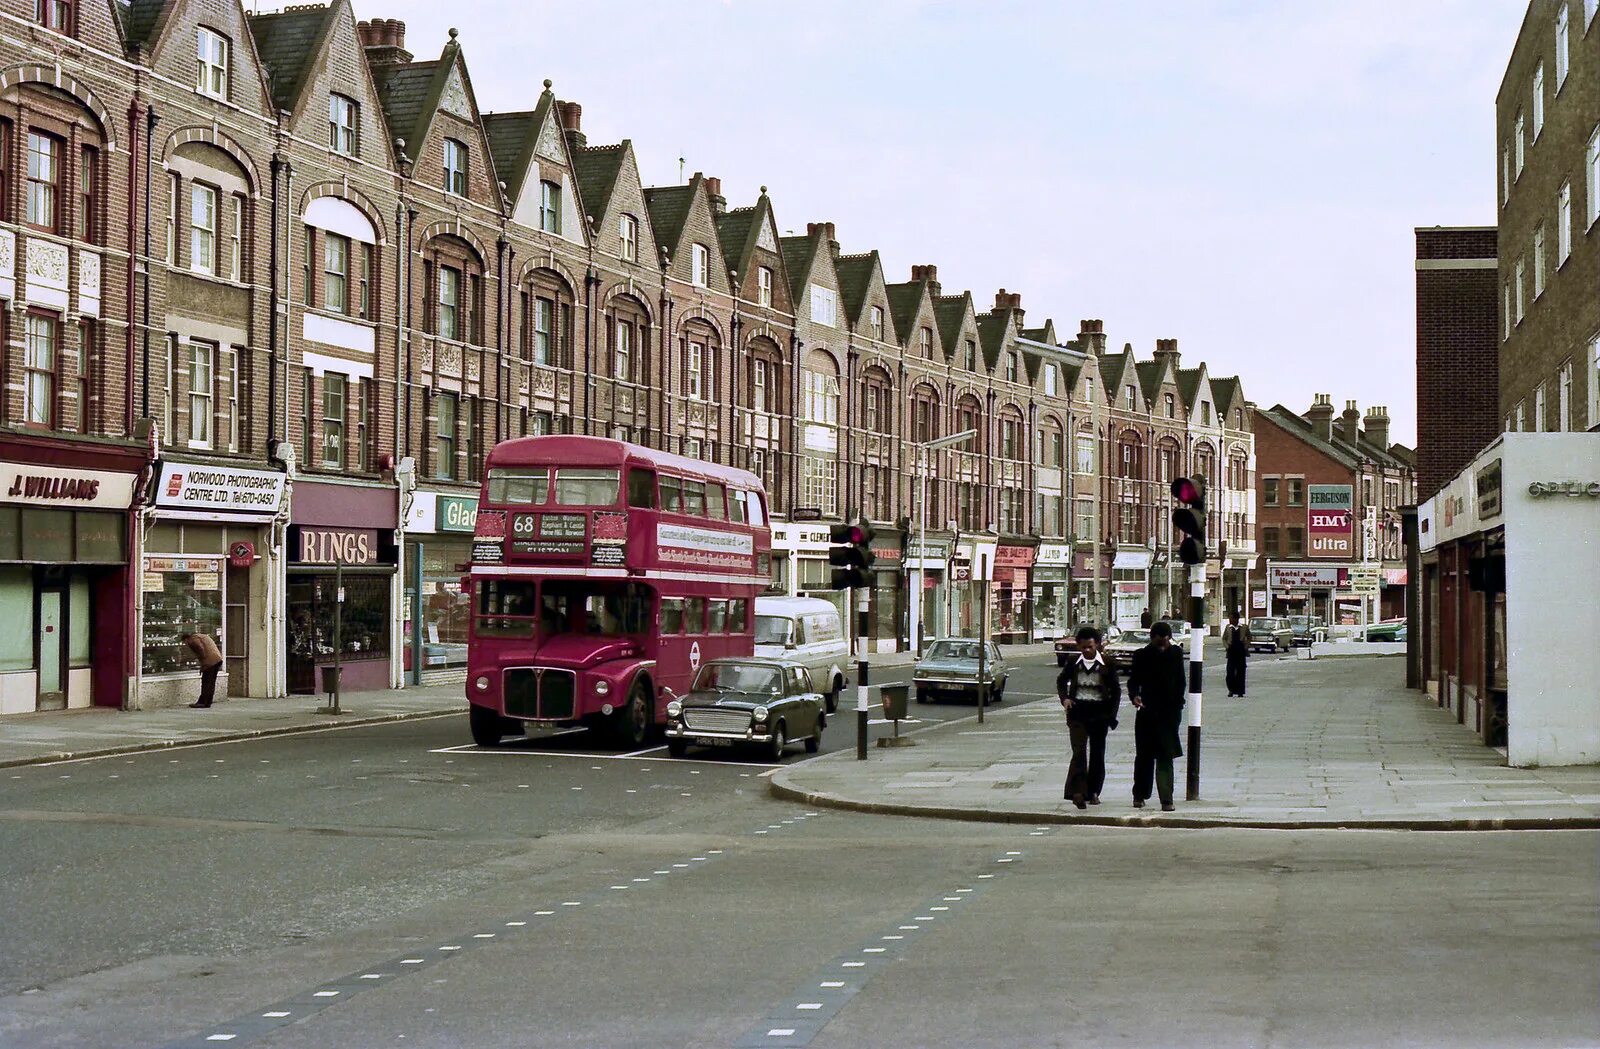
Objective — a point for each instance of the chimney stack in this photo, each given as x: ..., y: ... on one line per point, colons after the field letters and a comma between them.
x: 1350, y: 424
x: 827, y: 231
x: 1377, y: 425
x: 719, y: 203
x: 928, y: 272
x: 571, y: 116
x: 384, y: 40
x: 1167, y: 350
x: 1320, y: 415
x: 1009, y: 300
x: 1092, y: 336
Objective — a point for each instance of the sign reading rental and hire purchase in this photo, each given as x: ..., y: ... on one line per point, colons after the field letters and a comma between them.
x: 1329, y: 512
x: 702, y: 547
x: 223, y: 491
x: 1300, y: 577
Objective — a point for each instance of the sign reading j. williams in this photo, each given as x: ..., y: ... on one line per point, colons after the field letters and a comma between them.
x: 54, y: 486
x: 681, y: 544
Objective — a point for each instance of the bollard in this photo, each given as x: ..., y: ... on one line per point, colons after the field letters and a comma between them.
x: 861, y: 710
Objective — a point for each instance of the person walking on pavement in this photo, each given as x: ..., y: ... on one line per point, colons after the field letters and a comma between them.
x: 1157, y: 688
x: 1090, y: 692
x: 1144, y: 619
x: 210, y: 658
x: 1236, y: 643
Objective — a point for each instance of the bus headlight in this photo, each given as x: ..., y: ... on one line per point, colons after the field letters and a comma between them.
x: 761, y: 713
x: 674, y: 709
x: 482, y: 684
x: 601, y: 688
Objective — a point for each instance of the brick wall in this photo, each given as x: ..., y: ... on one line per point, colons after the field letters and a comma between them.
x: 1458, y: 364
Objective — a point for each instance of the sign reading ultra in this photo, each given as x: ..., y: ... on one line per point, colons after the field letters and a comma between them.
x: 682, y: 544
x: 53, y: 486
x: 222, y: 491
x: 1329, y: 519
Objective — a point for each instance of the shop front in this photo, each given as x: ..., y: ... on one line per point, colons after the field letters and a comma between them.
x: 436, y: 609
x: 1305, y: 589
x: 885, y: 606
x: 64, y: 581
x: 967, y: 586
x: 1052, y: 598
x: 1130, y: 588
x: 1010, y: 594
x: 208, y: 566
x: 1091, y: 587
x: 341, y: 582
x: 1512, y: 593
x: 927, y: 564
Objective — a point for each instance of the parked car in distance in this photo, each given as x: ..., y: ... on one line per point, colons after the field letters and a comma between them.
x: 1271, y: 634
x: 1181, y: 630
x: 807, y: 630
x: 1387, y: 630
x: 1067, y: 646
x: 1119, y: 653
x: 1308, y: 629
x: 760, y: 702
x: 951, y: 669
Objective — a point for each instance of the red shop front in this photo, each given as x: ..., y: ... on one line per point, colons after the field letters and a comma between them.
x: 342, y: 557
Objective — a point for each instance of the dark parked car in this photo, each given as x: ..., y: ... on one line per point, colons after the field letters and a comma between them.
x: 1308, y: 629
x: 1388, y: 630
x: 1067, y: 646
x: 951, y: 669
x: 1271, y: 634
x: 1119, y: 653
x: 761, y: 702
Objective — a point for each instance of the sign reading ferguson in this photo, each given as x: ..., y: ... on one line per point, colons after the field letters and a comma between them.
x: 1330, y: 519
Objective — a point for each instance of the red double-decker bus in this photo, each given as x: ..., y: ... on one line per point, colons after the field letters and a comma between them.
x: 602, y: 573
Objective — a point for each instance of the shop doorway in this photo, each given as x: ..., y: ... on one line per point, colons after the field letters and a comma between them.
x: 52, y: 653
x: 236, y: 622
x: 302, y: 659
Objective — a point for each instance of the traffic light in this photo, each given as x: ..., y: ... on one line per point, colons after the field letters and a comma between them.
x: 850, y: 555
x: 1189, y: 519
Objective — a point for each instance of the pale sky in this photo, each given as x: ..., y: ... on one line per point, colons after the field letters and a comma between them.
x: 1243, y: 177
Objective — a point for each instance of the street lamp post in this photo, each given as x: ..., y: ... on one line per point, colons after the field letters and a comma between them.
x: 923, y: 448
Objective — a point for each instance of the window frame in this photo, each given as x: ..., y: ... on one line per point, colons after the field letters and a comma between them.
x: 699, y: 265
x: 1563, y: 45
x: 335, y: 394
x: 457, y: 166
x: 445, y: 441
x: 197, y: 190
x: 549, y: 207
x: 764, y: 285
x: 60, y: 16
x: 628, y: 237
x: 207, y: 71
x: 694, y: 370
x: 449, y: 278
x: 48, y: 188
x: 202, y: 368
x: 344, y: 124
x: 622, y: 349
x: 41, y: 375
x: 1538, y: 100
x: 1563, y: 223
x: 88, y: 194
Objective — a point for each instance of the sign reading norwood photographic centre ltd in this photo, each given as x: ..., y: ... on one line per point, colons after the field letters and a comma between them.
x: 219, y: 493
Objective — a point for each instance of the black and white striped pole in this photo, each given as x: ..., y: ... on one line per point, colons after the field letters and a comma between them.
x: 1189, y: 520
x: 862, y: 706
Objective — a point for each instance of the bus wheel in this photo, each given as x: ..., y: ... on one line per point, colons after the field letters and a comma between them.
x: 633, y: 722
x: 779, y: 741
x: 677, y: 747
x: 833, y: 694
x: 487, y: 726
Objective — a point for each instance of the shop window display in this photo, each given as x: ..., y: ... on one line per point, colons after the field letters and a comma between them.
x: 180, y: 594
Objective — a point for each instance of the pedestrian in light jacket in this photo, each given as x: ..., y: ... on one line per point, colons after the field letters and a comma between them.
x: 1090, y: 692
x: 1157, y: 688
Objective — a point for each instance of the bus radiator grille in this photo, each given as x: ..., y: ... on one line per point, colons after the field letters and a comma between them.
x: 531, y: 692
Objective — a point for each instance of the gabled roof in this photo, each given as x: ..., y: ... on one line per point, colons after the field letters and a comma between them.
x: 855, y: 279
x: 1114, y: 371
x: 597, y: 168
x: 1226, y: 391
x: 905, y: 302
x: 733, y: 233
x: 409, y: 98
x: 1150, y: 374
x: 1189, y: 383
x: 798, y: 254
x: 141, y: 20
x: 992, y: 328
x: 669, y: 211
x: 1046, y: 334
x: 1291, y: 423
x: 289, y: 42
x: 949, y: 313
x: 512, y: 138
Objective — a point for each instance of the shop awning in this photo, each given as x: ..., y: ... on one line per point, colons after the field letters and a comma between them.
x: 1394, y: 577
x: 1132, y: 559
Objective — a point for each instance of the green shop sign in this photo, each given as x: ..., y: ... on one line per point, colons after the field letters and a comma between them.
x: 457, y: 513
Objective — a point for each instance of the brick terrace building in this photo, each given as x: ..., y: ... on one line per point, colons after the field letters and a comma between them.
x: 175, y: 174
x: 1548, y: 118
x: 1330, y: 495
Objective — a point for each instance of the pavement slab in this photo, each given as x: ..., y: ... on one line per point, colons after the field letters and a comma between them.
x: 1323, y: 743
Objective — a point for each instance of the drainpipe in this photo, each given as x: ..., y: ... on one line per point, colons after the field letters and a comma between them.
x: 272, y: 321
x: 796, y: 345
x: 590, y: 279
x: 500, y: 247
x: 150, y: 129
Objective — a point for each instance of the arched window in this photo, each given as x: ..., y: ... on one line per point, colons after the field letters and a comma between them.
x: 702, y: 354
x: 1205, y: 462
x: 969, y: 415
x: 628, y: 336
x: 877, y: 405
x: 819, y: 407
x: 453, y: 279
x: 1130, y: 455
x: 820, y: 389
x: 925, y: 422
x: 546, y: 306
x: 340, y: 268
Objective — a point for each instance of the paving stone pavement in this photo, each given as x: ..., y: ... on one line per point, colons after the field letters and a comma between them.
x: 1324, y: 743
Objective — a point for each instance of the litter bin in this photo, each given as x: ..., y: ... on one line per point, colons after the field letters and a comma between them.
x: 894, y: 700
x: 330, y: 679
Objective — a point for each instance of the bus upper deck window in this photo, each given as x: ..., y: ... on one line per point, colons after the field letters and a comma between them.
x: 525, y: 486
x: 716, y: 502
x: 672, y: 494
x: 586, y: 487
x: 694, y: 498
x: 642, y: 489
x: 736, y: 506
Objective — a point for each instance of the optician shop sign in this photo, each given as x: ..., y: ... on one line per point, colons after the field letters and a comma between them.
x: 35, y: 485
x: 224, y: 492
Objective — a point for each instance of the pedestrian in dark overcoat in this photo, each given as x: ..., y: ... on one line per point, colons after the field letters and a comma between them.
x: 1090, y: 692
x: 1236, y: 645
x: 1157, y: 687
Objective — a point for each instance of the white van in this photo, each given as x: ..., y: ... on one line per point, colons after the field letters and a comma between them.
x: 807, y: 630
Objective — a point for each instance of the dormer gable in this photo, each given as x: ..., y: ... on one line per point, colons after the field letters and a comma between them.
x: 749, y: 239
x: 610, y: 191
x: 809, y: 261
x: 958, y: 331
x: 431, y: 107
x: 683, y: 222
x: 170, y: 33
x: 863, y: 291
